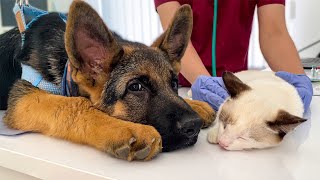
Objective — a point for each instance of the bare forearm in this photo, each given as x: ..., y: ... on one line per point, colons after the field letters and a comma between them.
x: 275, y: 42
x: 191, y: 65
x: 280, y: 53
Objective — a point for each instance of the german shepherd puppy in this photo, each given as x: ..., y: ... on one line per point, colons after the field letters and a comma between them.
x: 128, y: 104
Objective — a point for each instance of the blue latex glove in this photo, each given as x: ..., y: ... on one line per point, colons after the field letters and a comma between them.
x: 303, y: 85
x: 211, y: 90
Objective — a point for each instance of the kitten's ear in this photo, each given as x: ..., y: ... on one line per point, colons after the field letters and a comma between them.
x: 233, y: 84
x: 285, y: 122
x: 91, y: 47
x: 175, y: 39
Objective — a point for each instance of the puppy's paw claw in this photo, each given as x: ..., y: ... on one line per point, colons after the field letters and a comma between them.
x: 143, y: 153
x: 138, y: 143
x: 123, y: 152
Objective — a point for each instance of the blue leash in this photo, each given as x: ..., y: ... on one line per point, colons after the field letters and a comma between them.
x: 26, y: 10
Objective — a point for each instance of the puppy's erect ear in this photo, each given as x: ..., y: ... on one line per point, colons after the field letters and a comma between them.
x: 91, y: 47
x: 174, y: 40
x: 285, y: 122
x: 233, y: 84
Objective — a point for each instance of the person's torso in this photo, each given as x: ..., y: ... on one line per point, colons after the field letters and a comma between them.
x: 234, y: 26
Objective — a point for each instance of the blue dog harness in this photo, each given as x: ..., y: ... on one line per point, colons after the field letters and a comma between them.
x: 35, y: 78
x: 67, y: 86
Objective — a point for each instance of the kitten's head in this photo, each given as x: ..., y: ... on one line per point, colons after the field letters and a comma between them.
x: 251, y: 118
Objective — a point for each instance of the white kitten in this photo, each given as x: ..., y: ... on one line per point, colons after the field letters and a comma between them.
x: 262, y: 109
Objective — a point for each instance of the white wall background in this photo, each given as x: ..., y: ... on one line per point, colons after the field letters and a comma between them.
x: 305, y: 27
x: 135, y: 20
x: 302, y: 17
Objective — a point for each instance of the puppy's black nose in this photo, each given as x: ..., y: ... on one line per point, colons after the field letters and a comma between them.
x: 189, y: 127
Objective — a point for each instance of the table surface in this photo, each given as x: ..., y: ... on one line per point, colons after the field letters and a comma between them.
x: 298, y: 157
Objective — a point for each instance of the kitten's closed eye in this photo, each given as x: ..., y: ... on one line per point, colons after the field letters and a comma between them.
x: 224, y: 125
x: 242, y: 138
x: 225, y: 119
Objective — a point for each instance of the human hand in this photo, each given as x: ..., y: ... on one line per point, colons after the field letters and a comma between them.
x: 302, y: 83
x: 209, y: 89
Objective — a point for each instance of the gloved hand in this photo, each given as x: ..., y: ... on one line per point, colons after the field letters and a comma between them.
x: 211, y: 90
x: 303, y: 85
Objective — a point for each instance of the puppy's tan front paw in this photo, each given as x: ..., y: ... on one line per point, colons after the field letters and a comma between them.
x: 212, y: 136
x: 204, y: 110
x: 137, y: 142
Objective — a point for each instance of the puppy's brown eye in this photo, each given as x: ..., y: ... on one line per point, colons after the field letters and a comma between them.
x: 174, y: 84
x: 136, y: 87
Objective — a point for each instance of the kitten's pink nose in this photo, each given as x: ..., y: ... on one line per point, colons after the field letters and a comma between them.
x: 223, y: 143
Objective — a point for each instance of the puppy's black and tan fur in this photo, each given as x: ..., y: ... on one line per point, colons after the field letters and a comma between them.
x: 128, y: 104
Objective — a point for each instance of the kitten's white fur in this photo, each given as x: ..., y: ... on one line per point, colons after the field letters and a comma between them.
x: 252, y: 109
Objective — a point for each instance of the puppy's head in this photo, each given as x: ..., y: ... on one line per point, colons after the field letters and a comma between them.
x: 251, y: 118
x: 132, y: 81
